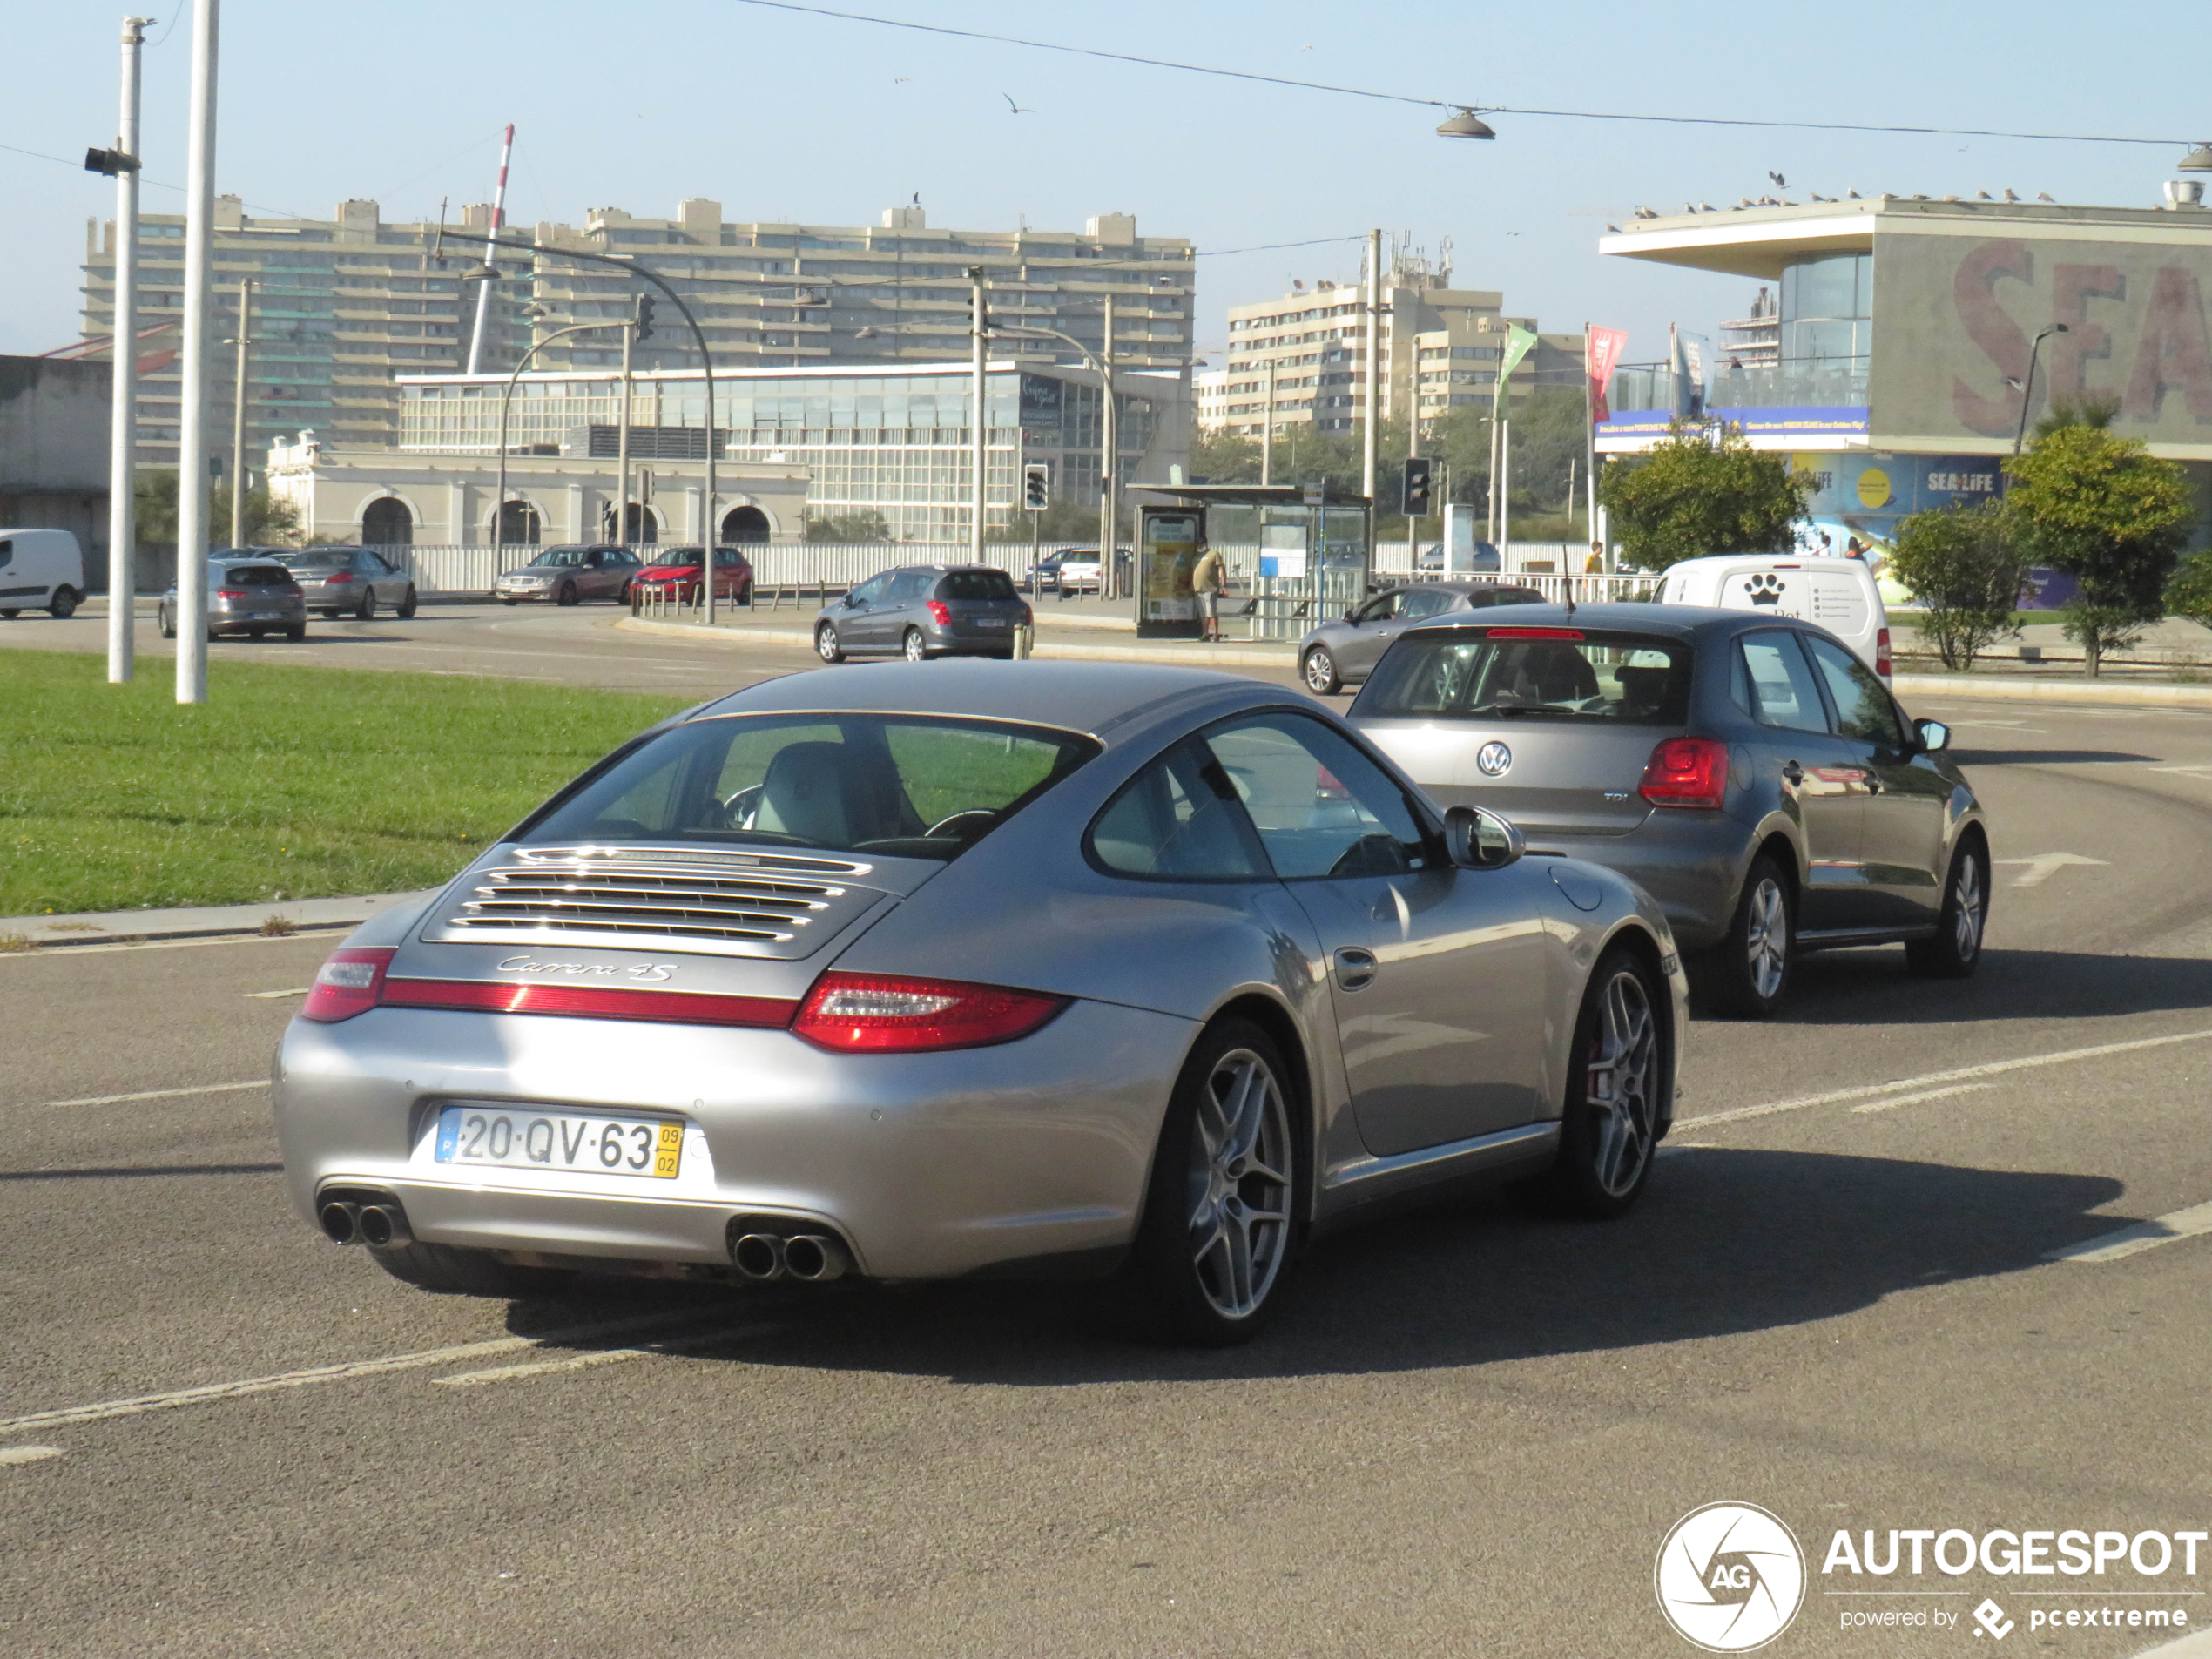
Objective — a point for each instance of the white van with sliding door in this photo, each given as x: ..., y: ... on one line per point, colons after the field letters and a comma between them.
x: 40, y: 571
x: 1839, y: 594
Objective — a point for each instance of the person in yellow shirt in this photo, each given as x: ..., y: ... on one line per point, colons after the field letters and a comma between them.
x: 1209, y: 580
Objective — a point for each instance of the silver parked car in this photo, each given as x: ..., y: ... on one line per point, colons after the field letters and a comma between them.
x: 246, y: 594
x: 924, y: 610
x: 1061, y: 970
x: 570, y: 575
x: 354, y: 579
x: 1747, y: 770
x: 1345, y: 651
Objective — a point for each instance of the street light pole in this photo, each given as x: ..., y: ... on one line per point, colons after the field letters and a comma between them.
x: 1110, y: 461
x: 1367, y: 447
x: 123, y: 431
x: 978, y: 433
x: 1267, y: 432
x: 245, y: 344
x: 622, y: 446
x: 506, y: 401
x: 2027, y: 387
x: 191, y: 427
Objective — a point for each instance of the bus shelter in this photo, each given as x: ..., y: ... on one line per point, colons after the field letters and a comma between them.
x: 1296, y: 555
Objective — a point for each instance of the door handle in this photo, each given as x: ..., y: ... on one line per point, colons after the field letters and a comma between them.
x: 1355, y: 967
x: 1793, y: 774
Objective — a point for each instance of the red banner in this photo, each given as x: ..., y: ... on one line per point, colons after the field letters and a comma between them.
x: 1602, y: 355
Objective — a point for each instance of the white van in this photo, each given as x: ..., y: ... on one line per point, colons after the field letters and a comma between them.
x: 40, y: 571
x: 1839, y: 594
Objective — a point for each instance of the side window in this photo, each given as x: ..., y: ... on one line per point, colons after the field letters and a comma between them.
x: 1426, y: 602
x: 871, y: 591
x: 1772, y: 684
x: 1321, y: 807
x: 1863, y: 705
x: 7, y: 554
x: 1378, y: 609
x: 1177, y: 819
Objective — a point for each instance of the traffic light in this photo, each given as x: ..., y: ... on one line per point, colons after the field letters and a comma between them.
x: 1036, y: 479
x: 110, y: 162
x: 1413, y: 493
x: 645, y: 317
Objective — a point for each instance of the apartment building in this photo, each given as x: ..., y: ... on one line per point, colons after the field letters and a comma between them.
x: 344, y: 307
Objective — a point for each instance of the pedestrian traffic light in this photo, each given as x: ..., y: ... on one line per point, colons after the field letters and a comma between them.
x: 1036, y: 479
x: 1413, y: 493
x: 645, y: 317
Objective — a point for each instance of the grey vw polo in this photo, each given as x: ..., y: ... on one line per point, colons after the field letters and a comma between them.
x: 1747, y: 770
x: 1058, y: 969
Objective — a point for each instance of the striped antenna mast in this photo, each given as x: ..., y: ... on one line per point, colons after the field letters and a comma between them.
x: 498, y: 219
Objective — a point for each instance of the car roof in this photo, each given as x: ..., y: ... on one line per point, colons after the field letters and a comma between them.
x: 1075, y: 697
x: 1690, y: 622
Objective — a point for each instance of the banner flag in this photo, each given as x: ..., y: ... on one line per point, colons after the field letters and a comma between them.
x: 1601, y: 357
x: 1518, y: 343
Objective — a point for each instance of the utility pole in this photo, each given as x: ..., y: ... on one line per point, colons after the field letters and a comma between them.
x: 622, y: 444
x: 1374, y: 364
x: 980, y: 432
x: 1109, y: 438
x: 1267, y: 432
x: 498, y: 217
x: 245, y: 344
x: 123, y: 432
x: 192, y: 435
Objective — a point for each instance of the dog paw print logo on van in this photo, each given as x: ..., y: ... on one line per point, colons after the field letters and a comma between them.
x: 1765, y: 587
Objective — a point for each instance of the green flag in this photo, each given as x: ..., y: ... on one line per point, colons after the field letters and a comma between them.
x: 1518, y: 342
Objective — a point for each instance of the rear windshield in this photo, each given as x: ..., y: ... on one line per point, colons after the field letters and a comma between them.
x: 257, y: 576
x: 977, y: 585
x: 904, y: 785
x: 1529, y: 673
x: 314, y: 558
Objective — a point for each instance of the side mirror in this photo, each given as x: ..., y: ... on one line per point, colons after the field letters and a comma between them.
x: 1934, y: 735
x: 1478, y: 840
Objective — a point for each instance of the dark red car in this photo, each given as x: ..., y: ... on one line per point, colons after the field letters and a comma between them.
x: 677, y: 569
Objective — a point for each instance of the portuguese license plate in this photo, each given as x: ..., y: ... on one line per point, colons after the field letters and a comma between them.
x: 570, y: 1142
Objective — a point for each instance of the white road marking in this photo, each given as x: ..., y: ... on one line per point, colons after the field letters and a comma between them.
x: 2009, y: 726
x: 601, y: 1357
x: 1994, y: 1069
x: 2201, y: 773
x: 2043, y: 866
x: 2144, y: 1235
x: 1892, y: 1101
x: 141, y: 1404
x: 159, y: 1094
x: 27, y: 1453
x: 297, y: 990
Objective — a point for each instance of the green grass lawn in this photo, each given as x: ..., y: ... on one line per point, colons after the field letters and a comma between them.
x: 295, y: 781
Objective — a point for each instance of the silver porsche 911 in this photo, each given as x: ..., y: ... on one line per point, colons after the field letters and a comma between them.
x: 1034, y: 969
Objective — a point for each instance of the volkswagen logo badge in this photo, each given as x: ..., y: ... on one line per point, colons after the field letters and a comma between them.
x: 1493, y: 759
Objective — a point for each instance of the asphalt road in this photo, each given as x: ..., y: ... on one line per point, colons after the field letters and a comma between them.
x: 1468, y: 1432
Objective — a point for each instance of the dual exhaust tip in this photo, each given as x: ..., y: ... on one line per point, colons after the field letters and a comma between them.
x: 376, y: 1223
x: 812, y: 1258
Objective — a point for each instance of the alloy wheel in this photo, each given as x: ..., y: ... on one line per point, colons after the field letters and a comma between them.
x: 1617, y: 1083
x: 825, y: 645
x: 917, y: 648
x: 1766, y: 937
x: 1970, y: 908
x: 1320, y: 672
x: 1239, y: 1184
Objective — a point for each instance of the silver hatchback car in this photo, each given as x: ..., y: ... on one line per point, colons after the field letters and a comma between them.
x: 1060, y: 969
x: 1748, y: 771
x: 246, y: 594
x: 924, y: 610
x: 1345, y: 651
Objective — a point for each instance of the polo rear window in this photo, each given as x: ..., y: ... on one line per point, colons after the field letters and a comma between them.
x: 1504, y: 671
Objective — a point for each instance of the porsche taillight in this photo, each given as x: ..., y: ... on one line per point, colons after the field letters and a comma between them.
x: 347, y: 984
x: 877, y: 1013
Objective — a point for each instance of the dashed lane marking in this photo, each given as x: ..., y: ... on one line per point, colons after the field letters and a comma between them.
x: 602, y: 1357
x: 159, y: 1094
x: 141, y: 1404
x: 2144, y: 1235
x: 11, y: 1454
x: 266, y: 997
x: 1994, y: 1069
x: 1891, y: 1103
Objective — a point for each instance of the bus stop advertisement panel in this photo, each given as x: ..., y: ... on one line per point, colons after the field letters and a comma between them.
x: 1168, y: 542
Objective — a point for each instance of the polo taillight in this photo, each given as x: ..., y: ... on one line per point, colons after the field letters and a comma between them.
x: 347, y: 984
x: 876, y: 1014
x: 1882, y: 653
x: 1687, y: 771
x: 941, y: 613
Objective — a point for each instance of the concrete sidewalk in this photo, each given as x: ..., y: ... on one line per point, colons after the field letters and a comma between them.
x: 201, y: 921
x: 1050, y: 645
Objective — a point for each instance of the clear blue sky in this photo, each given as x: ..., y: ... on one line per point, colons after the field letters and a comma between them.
x: 785, y: 116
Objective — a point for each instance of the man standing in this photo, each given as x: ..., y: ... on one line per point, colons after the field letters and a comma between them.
x: 1209, y: 580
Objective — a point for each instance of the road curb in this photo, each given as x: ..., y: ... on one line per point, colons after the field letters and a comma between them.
x: 1192, y: 656
x: 2101, y: 694
x: 201, y: 921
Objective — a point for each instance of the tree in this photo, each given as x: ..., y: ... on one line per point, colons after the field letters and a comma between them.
x: 1225, y: 458
x: 849, y: 528
x: 2109, y: 514
x: 269, y: 520
x: 1692, y: 495
x: 2189, y: 594
x: 1963, y: 568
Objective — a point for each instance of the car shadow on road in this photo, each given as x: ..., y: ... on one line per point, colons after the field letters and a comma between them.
x: 1874, y: 987
x: 1726, y: 1242
x: 2047, y: 757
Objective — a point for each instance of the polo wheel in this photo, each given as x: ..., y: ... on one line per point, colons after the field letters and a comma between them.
x: 1956, y: 948
x: 1749, y: 972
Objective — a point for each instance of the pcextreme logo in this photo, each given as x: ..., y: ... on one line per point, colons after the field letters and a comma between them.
x: 1729, y: 1577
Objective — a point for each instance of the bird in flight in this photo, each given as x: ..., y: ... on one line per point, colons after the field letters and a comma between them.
x: 1013, y: 107
x: 900, y: 80
x: 1780, y: 183
x: 917, y: 198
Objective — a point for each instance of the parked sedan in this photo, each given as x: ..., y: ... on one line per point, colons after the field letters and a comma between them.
x: 246, y: 594
x: 1748, y: 771
x: 920, y: 972
x: 676, y: 572
x: 1345, y: 652
x: 334, y: 579
x: 924, y: 610
x: 570, y: 575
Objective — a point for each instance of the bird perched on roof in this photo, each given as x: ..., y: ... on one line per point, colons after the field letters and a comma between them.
x: 1646, y: 213
x: 2011, y: 195
x: 1951, y: 199
x: 2046, y: 195
x: 1747, y: 202
x: 1707, y: 207
x: 1690, y: 207
x: 1780, y: 183
x: 1854, y: 195
x: 1615, y: 229
x: 1984, y: 196
x: 1919, y: 198
x: 1817, y: 197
